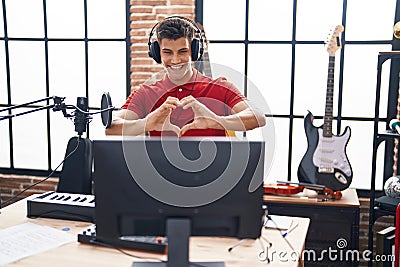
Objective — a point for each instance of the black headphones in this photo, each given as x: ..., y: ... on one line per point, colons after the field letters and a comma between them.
x: 197, y: 45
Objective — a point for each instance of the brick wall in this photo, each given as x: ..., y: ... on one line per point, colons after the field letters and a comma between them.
x: 11, y: 185
x: 144, y: 15
x: 380, y: 224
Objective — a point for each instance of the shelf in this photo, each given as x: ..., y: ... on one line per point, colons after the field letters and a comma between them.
x: 388, y: 204
x: 389, y: 133
x: 382, y: 206
x: 383, y: 56
x: 390, y: 53
x: 385, y: 136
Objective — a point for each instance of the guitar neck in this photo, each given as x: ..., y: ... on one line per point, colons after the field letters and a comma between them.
x: 327, y: 127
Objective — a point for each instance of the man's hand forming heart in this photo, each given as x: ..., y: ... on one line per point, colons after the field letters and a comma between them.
x: 204, y: 118
x: 159, y: 119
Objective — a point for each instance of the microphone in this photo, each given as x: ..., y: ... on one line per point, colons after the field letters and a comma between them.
x: 81, y: 116
x: 107, y: 108
x: 395, y: 125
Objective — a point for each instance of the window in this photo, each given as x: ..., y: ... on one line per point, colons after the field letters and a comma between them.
x: 279, y: 47
x: 47, y: 53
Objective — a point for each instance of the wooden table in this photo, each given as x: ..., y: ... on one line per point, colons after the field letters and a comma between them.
x: 331, y: 220
x: 349, y: 199
x: 201, y: 248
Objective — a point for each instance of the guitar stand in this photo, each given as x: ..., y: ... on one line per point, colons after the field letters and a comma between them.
x: 264, y: 250
x: 236, y: 245
x: 263, y: 255
x: 241, y: 241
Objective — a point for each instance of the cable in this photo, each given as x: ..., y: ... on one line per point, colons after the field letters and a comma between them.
x: 104, y: 244
x: 236, y: 245
x: 281, y: 232
x: 29, y: 187
x: 90, y: 113
x: 283, y: 236
x: 70, y: 214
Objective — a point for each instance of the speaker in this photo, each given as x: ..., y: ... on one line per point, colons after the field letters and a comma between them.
x: 197, y: 45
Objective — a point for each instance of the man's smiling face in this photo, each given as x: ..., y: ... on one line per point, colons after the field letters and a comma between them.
x: 176, y: 58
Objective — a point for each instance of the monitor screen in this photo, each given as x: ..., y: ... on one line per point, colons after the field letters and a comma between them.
x: 213, y: 183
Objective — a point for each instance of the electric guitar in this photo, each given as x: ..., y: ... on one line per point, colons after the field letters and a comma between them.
x: 325, y: 161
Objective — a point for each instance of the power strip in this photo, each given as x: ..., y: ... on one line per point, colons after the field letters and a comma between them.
x: 145, y: 243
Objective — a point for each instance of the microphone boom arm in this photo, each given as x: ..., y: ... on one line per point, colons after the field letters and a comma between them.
x: 81, y: 114
x: 25, y: 112
x: 57, y: 106
x: 29, y: 103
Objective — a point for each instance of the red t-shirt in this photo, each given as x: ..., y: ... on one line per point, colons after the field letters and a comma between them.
x: 218, y: 95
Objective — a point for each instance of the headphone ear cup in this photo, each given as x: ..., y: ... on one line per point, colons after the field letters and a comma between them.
x: 195, y: 49
x: 154, y: 51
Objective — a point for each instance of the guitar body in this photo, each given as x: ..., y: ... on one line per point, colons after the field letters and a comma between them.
x: 325, y: 161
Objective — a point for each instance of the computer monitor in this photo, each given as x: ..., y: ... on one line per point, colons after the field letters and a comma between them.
x: 178, y: 187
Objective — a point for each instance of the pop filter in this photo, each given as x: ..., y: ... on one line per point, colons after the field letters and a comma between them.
x: 106, y: 105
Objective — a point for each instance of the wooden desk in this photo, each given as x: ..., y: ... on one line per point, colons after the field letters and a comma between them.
x: 349, y: 199
x: 201, y: 248
x: 330, y: 221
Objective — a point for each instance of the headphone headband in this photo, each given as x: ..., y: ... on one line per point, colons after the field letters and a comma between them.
x: 197, y: 44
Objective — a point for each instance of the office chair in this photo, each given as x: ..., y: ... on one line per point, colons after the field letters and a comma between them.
x: 76, y: 174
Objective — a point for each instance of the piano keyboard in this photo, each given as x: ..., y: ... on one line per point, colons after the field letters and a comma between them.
x: 67, y: 206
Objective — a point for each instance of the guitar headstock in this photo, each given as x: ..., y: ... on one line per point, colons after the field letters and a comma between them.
x: 333, y: 41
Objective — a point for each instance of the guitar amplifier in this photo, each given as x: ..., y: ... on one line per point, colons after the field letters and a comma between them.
x: 67, y: 206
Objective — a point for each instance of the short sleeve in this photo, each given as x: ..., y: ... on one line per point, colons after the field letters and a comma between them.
x: 128, y: 100
x: 232, y: 93
x: 136, y: 102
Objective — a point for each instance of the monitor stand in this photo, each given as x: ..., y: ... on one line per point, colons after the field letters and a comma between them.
x: 178, y: 233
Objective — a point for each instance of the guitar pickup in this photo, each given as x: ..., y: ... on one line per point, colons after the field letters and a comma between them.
x: 325, y: 169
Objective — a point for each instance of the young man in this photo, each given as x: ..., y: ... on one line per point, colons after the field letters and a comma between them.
x: 184, y: 102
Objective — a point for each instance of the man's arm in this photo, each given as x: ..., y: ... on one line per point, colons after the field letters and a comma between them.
x: 127, y: 122
x: 244, y: 118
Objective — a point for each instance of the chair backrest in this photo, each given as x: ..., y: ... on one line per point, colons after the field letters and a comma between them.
x: 76, y: 174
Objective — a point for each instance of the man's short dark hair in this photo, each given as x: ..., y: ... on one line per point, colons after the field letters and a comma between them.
x: 175, y: 28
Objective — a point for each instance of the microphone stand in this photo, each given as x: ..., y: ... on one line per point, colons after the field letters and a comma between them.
x: 55, y: 98
x: 81, y: 115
